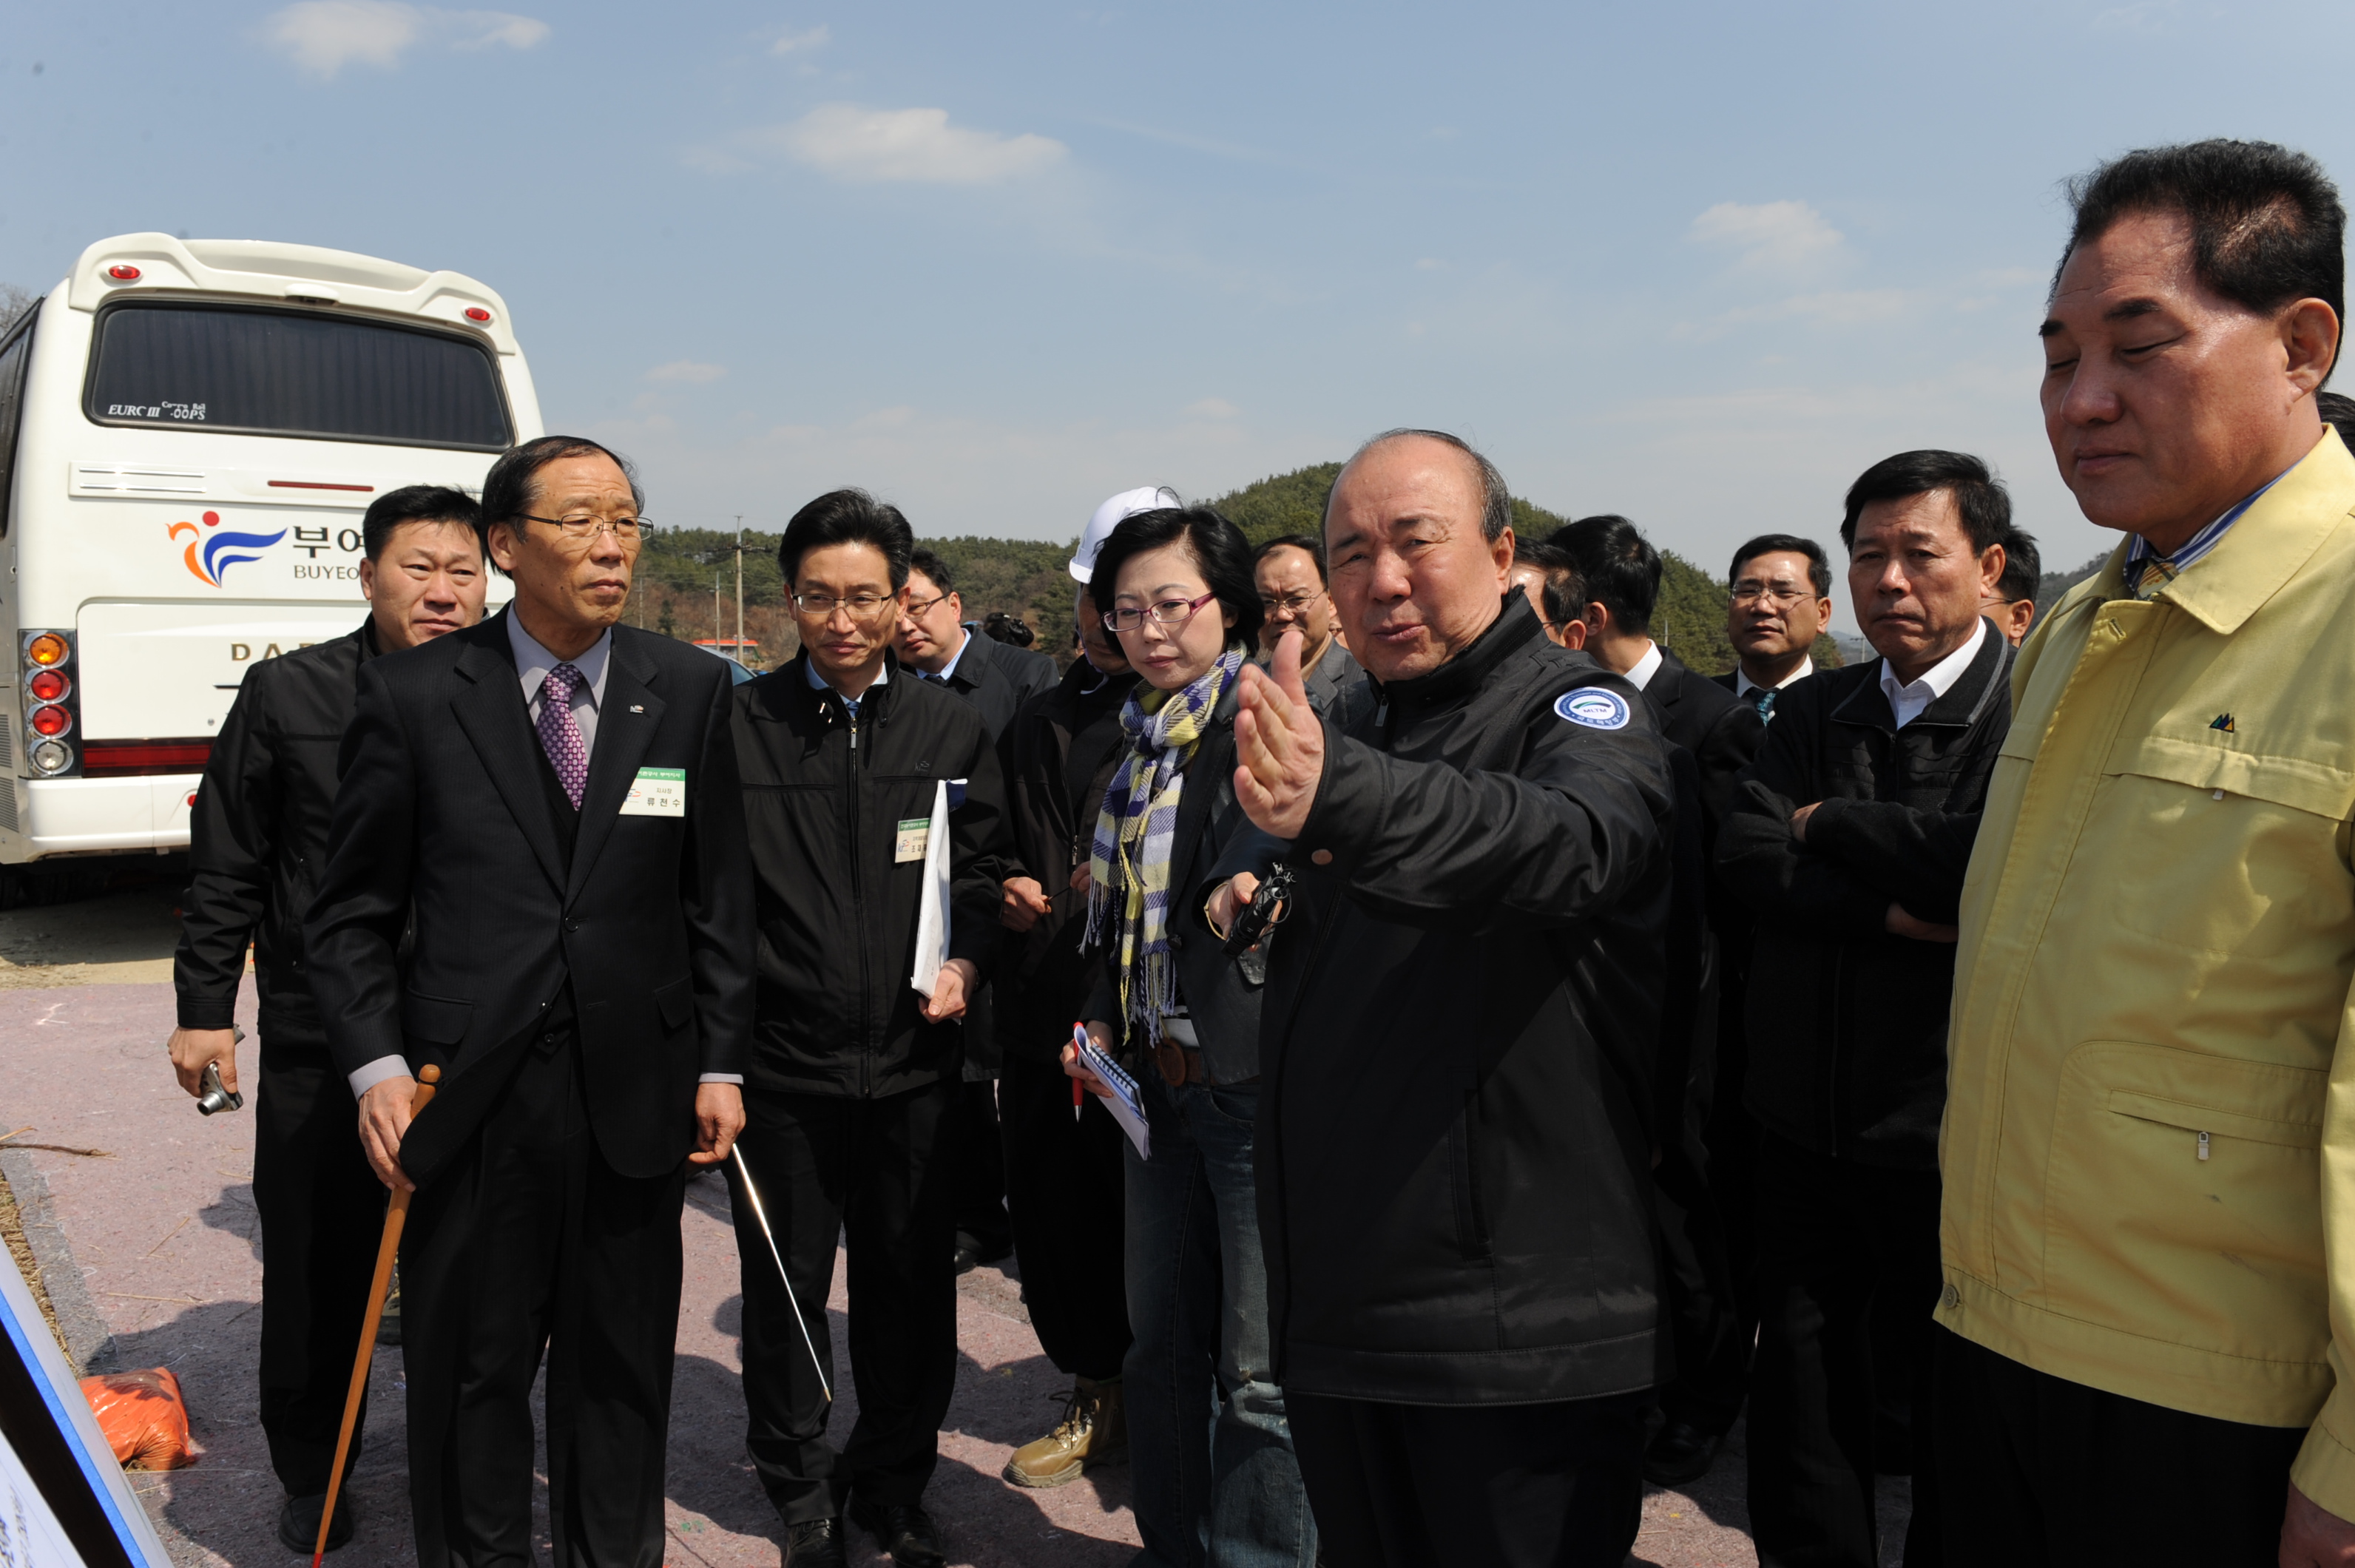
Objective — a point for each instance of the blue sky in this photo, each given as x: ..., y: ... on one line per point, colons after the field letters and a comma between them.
x: 1697, y: 263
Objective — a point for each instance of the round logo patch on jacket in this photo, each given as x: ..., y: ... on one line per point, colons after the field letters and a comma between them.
x: 1592, y: 707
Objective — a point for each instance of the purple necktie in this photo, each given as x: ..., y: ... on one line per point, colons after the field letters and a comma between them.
x: 560, y: 737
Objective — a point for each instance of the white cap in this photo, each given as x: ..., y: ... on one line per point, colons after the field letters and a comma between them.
x: 1109, y: 515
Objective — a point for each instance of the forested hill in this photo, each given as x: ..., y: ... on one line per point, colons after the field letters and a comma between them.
x: 1027, y: 577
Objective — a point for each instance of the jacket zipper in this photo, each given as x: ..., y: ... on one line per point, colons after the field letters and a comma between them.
x: 858, y: 909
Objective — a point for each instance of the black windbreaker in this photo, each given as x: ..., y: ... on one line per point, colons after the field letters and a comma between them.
x: 1452, y: 1150
x: 258, y: 837
x: 824, y: 796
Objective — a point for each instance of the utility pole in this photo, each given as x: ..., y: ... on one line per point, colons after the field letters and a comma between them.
x: 739, y: 589
x: 715, y: 611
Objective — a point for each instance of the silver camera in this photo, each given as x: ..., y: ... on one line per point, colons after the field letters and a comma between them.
x: 215, y: 1098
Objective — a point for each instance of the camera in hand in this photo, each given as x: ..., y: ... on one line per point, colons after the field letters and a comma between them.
x: 1266, y: 910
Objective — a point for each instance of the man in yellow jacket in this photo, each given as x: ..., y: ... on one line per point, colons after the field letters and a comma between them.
x: 2149, y: 1142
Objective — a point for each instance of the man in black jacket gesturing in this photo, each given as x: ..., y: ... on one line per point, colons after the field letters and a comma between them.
x: 548, y: 802
x: 1848, y: 842
x: 1455, y: 1125
x: 852, y: 1092
x: 258, y: 842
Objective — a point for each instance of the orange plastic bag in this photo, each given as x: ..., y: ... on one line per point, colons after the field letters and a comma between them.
x: 143, y: 1418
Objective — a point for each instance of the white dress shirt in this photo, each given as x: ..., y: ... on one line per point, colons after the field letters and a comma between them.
x: 1909, y: 699
x: 534, y: 663
x: 1648, y: 666
x: 1743, y: 685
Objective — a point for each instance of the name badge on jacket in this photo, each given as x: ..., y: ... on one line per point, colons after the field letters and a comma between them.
x: 656, y: 792
x: 915, y: 838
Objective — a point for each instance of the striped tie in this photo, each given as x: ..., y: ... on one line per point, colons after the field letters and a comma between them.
x: 2158, y: 571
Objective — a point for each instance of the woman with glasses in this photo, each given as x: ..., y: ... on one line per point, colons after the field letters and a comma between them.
x: 1216, y: 1482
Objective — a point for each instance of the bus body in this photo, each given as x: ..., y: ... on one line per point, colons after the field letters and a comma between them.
x: 189, y: 433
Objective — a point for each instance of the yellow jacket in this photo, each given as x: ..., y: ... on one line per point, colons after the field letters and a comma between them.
x: 2149, y: 1142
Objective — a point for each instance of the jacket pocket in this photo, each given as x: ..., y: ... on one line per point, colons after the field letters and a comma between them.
x: 439, y: 1019
x: 2183, y: 1200
x: 676, y: 1002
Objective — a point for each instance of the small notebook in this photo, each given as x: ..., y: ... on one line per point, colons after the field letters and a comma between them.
x: 1126, y: 1106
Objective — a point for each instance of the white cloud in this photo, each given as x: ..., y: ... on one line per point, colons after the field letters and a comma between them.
x: 1213, y: 409
x: 321, y: 37
x: 687, y: 370
x: 789, y: 41
x: 1785, y: 236
x: 916, y: 145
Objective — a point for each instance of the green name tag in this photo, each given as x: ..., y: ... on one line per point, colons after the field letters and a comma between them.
x: 915, y: 838
x: 656, y: 792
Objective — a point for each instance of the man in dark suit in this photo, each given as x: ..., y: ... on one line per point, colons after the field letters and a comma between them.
x: 1620, y: 573
x: 550, y: 800
x: 938, y: 644
x: 1779, y: 605
x: 1290, y: 574
x: 258, y: 838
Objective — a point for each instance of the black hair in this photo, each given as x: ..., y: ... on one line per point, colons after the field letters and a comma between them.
x: 1621, y: 569
x: 2022, y: 567
x: 508, y: 488
x: 1565, y: 589
x: 933, y: 566
x: 2338, y: 409
x: 2267, y: 227
x: 1819, y: 569
x: 1979, y: 496
x: 848, y: 516
x: 1217, y: 548
x: 999, y: 626
x: 1496, y: 501
x: 1315, y: 547
x: 419, y: 504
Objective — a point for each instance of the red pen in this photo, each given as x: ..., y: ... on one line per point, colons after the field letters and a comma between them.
x: 1079, y: 1044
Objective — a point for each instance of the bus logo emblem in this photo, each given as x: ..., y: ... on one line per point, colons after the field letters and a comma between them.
x: 208, y: 556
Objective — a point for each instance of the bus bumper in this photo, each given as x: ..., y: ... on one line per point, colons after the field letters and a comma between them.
x: 86, y: 816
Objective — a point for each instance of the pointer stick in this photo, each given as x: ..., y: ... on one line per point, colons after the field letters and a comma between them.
x: 395, y: 1215
x: 762, y: 1214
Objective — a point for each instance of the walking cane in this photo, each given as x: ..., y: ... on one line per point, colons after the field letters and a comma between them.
x: 395, y: 1215
x: 762, y: 1214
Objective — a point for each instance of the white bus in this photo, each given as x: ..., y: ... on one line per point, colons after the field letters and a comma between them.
x: 189, y: 433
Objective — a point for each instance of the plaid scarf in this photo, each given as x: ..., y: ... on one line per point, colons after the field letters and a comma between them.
x: 1128, y: 868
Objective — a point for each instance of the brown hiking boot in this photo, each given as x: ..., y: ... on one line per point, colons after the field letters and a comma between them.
x: 1093, y: 1431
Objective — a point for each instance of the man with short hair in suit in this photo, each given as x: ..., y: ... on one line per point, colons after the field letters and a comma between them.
x: 1778, y: 604
x: 550, y: 799
x: 1621, y: 574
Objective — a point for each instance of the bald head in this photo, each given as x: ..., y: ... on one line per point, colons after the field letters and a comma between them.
x: 1418, y: 541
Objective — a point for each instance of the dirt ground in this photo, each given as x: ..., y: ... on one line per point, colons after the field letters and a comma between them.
x: 152, y: 1254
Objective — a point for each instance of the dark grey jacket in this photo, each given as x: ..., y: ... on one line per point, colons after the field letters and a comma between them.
x: 1337, y: 688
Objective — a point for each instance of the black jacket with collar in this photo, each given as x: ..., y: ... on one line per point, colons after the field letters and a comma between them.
x: 1847, y: 1024
x: 1337, y: 685
x: 1059, y: 755
x: 643, y: 925
x: 1455, y: 1141
x: 258, y: 837
x: 997, y: 678
x: 1221, y: 993
x: 825, y: 797
x: 1723, y: 734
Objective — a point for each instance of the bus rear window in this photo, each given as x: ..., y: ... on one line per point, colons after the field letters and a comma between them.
x: 257, y: 371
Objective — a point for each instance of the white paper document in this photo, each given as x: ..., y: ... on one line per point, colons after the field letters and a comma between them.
x: 1128, y: 1107
x: 932, y: 914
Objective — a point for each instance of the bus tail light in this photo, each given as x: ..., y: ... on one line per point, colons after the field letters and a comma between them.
x: 476, y: 314
x: 51, y: 705
x: 124, y: 272
x: 128, y: 759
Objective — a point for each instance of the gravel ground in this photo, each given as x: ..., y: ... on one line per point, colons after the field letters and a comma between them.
x: 153, y: 1257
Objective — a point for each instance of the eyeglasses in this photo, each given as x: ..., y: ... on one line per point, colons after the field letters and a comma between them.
x: 919, y: 608
x: 1290, y: 605
x: 625, y: 530
x: 862, y: 606
x: 1169, y: 612
x: 1749, y: 592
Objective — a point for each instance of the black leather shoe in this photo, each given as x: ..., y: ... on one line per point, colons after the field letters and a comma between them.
x: 298, y: 1523
x: 816, y: 1544
x: 1679, y: 1455
x: 905, y: 1531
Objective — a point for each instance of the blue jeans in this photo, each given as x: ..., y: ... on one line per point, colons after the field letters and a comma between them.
x: 1216, y: 1482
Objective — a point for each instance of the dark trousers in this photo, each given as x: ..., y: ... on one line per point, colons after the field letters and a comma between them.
x: 530, y: 1244
x: 1519, y: 1486
x: 881, y: 1175
x: 2046, y: 1473
x: 1840, y: 1245
x: 322, y: 1211
x: 1698, y: 1288
x: 1063, y: 1191
x: 981, y: 1170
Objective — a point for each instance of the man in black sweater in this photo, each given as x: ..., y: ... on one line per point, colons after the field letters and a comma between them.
x: 937, y: 643
x: 258, y: 840
x: 1848, y: 842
